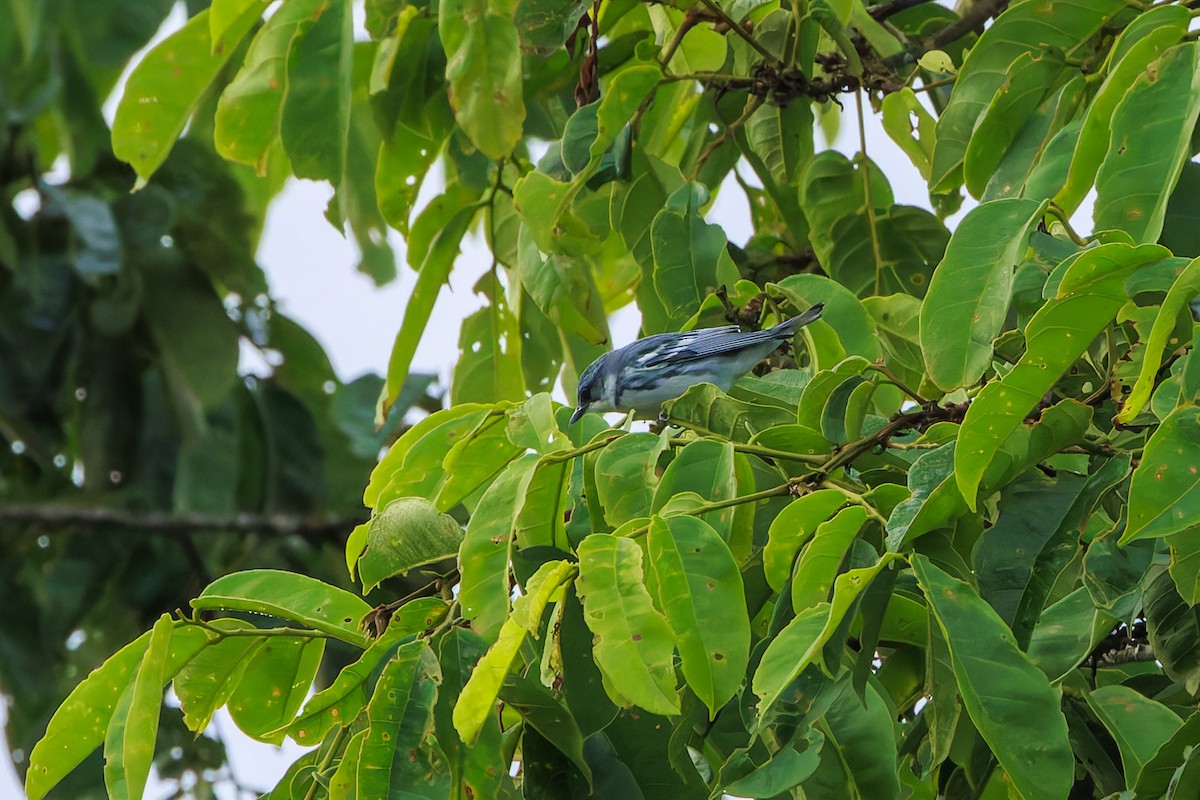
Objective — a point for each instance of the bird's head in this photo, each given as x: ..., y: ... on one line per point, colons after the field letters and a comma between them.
x: 591, y: 389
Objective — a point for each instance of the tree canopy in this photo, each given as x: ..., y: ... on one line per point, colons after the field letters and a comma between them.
x: 946, y: 545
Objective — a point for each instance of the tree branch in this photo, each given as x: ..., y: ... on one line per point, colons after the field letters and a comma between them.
x: 975, y: 16
x: 57, y: 515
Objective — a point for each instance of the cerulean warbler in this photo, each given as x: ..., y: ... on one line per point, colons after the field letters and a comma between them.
x: 643, y: 375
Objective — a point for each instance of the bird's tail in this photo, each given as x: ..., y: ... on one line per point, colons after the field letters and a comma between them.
x: 786, y: 328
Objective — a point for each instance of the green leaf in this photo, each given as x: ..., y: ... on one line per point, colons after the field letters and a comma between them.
x: 249, y: 111
x: 935, y: 499
x: 1164, y: 497
x: 165, y: 88
x: 478, y: 697
x: 450, y: 220
x: 207, y: 681
x: 697, y: 581
x: 1000, y: 687
x: 1185, y: 563
x: 792, y: 528
x: 479, y: 769
x: 634, y: 648
x: 1158, y: 29
x: 862, y: 736
x: 626, y: 476
x: 1024, y: 28
x: 1157, y: 773
x: 854, y: 328
x: 707, y: 410
x: 690, y: 256
x: 129, y: 741
x: 968, y: 298
x: 1026, y: 81
x: 1147, y: 147
x: 1183, y: 291
x: 276, y: 679
x: 78, y: 726
x: 483, y: 72
x: 1138, y: 724
x: 787, y: 768
x: 300, y: 598
x: 407, y: 533
x: 822, y: 557
x: 1066, y: 634
x: 486, y: 550
x: 705, y: 467
x: 1091, y: 292
x: 474, y: 460
x: 917, y: 142
x: 489, y: 356
x: 315, y: 120
x: 340, y: 702
x: 626, y: 90
x: 399, y: 717
x: 789, y: 652
x: 543, y: 711
x: 1174, y: 630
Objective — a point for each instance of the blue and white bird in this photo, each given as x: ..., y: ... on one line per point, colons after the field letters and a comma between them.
x: 643, y: 375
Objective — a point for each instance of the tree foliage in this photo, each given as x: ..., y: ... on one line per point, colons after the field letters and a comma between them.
x: 947, y: 546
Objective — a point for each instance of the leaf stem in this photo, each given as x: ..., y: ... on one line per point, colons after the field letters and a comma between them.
x: 1060, y: 214
x: 855, y: 498
x: 794, y: 486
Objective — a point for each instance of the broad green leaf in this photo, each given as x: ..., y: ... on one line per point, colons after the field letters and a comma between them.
x: 1026, y: 81
x: 479, y: 769
x: 1066, y: 25
x: 129, y: 741
x: 476, y: 459
x: 489, y: 360
x: 1066, y: 633
x: 1088, y: 297
x: 1041, y: 151
x: 822, y: 557
x: 478, y: 698
x: 1185, y: 563
x: 705, y: 467
x: 792, y: 528
x: 1018, y: 559
x: 782, y: 136
x: 343, y: 782
x: 1138, y: 724
x: 340, y: 702
x: 789, y: 652
x: 224, y: 14
x: 448, y: 221
x: 1174, y: 630
x: 78, y: 726
x: 1113, y: 575
x: 626, y: 476
x: 1157, y: 773
x: 306, y: 600
x: 413, y: 465
x: 787, y: 768
x: 1138, y: 45
x: 916, y: 142
x: 1149, y: 142
x: 207, y: 681
x: 968, y: 298
x: 483, y: 559
x: 563, y: 289
x: 862, y: 736
x: 935, y: 499
x: 620, y: 99
x: 707, y: 410
x: 249, y: 111
x: 543, y: 711
x: 1001, y: 688
x: 1182, y: 291
x: 1164, y: 497
x: 399, y: 717
x: 483, y: 72
x: 634, y: 648
x: 165, y: 88
x: 407, y: 533
x: 849, y: 320
x: 697, y: 581
x: 276, y: 679
x: 690, y: 255
x: 545, y: 505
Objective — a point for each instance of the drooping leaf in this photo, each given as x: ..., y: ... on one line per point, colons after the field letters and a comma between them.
x: 1000, y: 687
x: 1164, y: 496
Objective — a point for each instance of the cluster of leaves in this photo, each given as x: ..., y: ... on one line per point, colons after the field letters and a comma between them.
x: 925, y: 558
x: 122, y: 320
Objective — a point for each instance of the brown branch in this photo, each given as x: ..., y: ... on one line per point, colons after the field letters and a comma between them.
x: 884, y: 10
x: 57, y: 515
x: 975, y: 16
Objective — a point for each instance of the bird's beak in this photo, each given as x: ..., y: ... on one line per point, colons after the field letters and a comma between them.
x: 579, y: 412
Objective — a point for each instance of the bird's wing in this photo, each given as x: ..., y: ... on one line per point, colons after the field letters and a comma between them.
x: 697, y: 344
